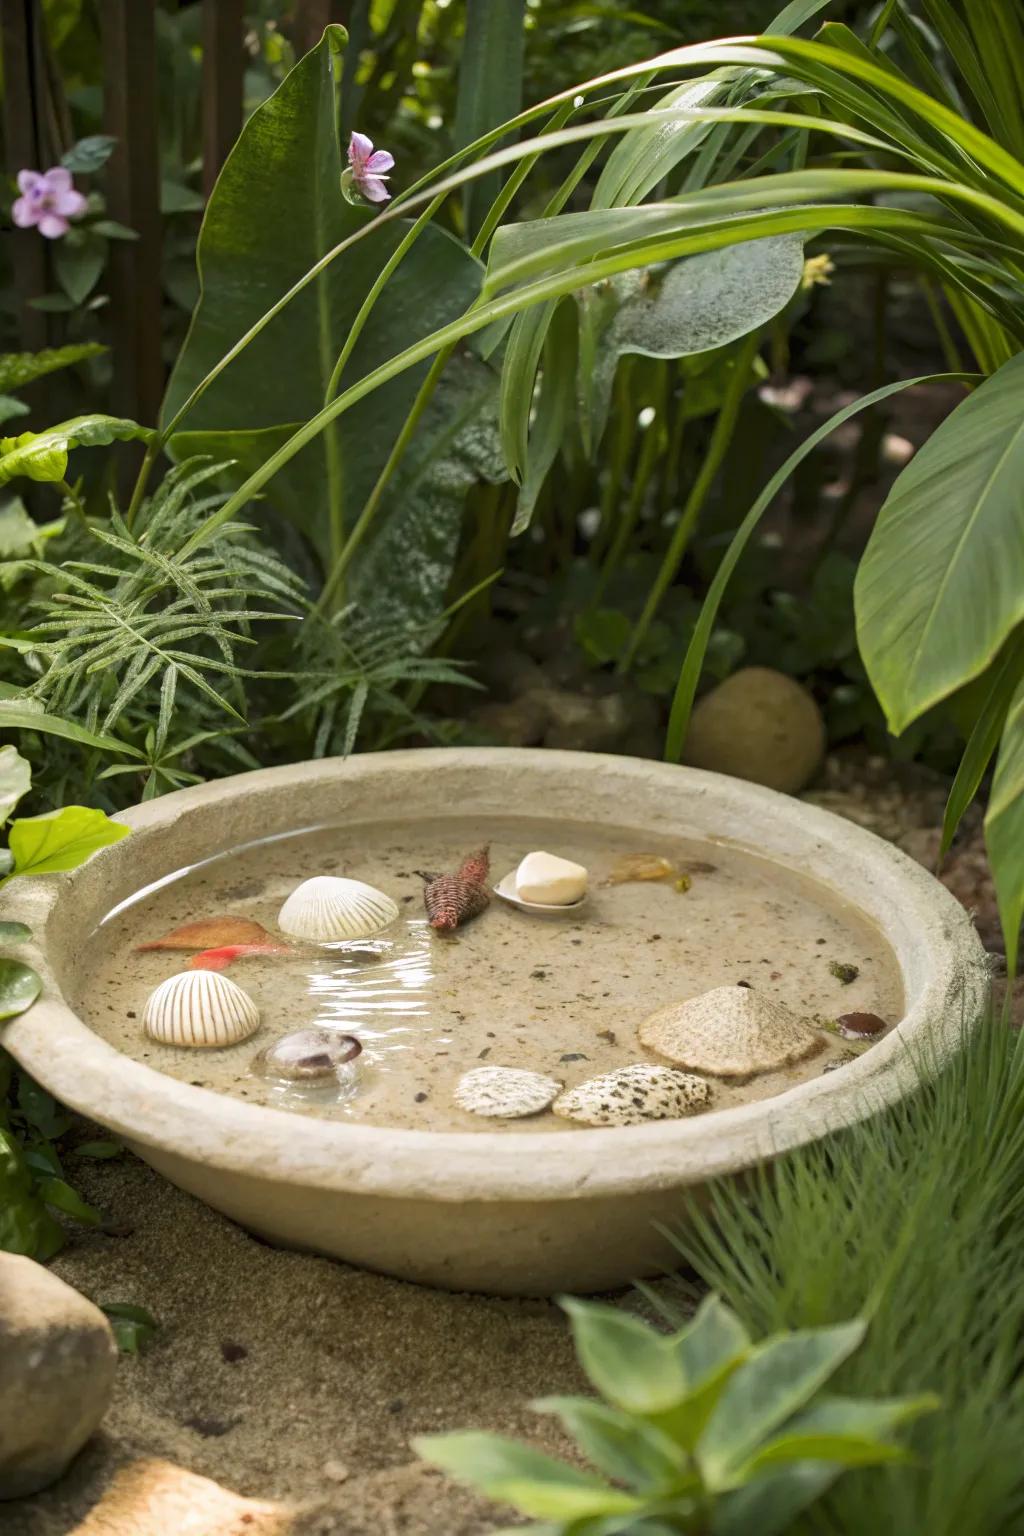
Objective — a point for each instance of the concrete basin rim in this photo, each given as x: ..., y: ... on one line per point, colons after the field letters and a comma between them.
x: 151, y: 1109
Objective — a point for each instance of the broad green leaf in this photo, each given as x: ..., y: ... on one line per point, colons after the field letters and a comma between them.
x: 78, y: 263
x: 1004, y: 828
x: 642, y: 157
x: 133, y: 1326
x: 772, y: 1384
x: 10, y: 408
x: 849, y: 1432
x: 99, y: 1151
x: 618, y: 1443
x: 44, y: 455
x: 41, y: 1111
x: 60, y: 840
x: 27, y: 715
x: 769, y: 1506
x: 490, y: 87
x: 275, y: 211
x: 709, y: 1349
x: 15, y: 780
x: 628, y: 1361
x: 59, y: 1194
x: 19, y: 988
x: 20, y: 368
x: 26, y: 1226
x: 90, y: 153
x: 982, y: 743
x: 537, y: 1484
x: 941, y: 584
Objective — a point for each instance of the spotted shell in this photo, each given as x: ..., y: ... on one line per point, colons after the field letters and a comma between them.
x: 505, y: 1093
x: 329, y: 909
x: 631, y: 1095
x: 201, y: 1010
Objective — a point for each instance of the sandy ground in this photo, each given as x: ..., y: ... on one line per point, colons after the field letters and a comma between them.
x: 294, y: 1382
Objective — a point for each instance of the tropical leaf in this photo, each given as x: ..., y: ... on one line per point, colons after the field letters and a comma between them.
x: 275, y: 212
x: 941, y: 584
x: 20, y: 368
x: 490, y: 86
x: 44, y: 455
x: 1004, y: 828
x: 15, y: 780
x: 61, y: 840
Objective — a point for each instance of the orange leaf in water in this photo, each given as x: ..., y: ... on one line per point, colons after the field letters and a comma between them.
x: 220, y: 958
x: 639, y: 866
x: 212, y: 933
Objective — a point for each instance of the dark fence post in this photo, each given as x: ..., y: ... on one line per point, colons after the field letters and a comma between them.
x: 223, y: 72
x: 133, y: 195
x: 22, y: 107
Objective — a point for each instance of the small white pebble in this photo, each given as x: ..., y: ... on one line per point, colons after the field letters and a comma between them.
x: 547, y: 880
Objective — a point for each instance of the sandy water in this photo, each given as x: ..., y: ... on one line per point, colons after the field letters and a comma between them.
x: 562, y: 994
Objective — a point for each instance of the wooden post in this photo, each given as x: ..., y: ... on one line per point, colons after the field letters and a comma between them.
x: 223, y: 69
x: 22, y: 106
x: 133, y: 195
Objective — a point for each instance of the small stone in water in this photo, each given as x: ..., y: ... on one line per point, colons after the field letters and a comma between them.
x: 505, y: 1093
x: 547, y: 880
x: 307, y: 1054
x: 860, y: 1026
x: 844, y: 973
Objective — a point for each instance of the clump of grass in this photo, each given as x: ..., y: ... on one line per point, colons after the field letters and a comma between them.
x: 915, y: 1220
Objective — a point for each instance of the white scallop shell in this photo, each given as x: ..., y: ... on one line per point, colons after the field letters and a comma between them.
x: 630, y: 1095
x: 200, y: 1009
x: 733, y: 1032
x: 505, y: 1093
x: 329, y: 909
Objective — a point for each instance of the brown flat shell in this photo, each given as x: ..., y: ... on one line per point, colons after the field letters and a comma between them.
x: 732, y: 1032
x: 212, y: 933
x: 631, y: 1095
x: 639, y: 866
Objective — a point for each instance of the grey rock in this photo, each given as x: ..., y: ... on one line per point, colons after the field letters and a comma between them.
x: 57, y: 1364
x: 580, y: 723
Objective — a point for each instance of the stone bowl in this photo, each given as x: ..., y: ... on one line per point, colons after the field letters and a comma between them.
x: 477, y: 1210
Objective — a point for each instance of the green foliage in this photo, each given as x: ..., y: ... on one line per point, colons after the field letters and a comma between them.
x: 133, y: 1326
x: 44, y: 455
x: 490, y: 87
x: 20, y: 368
x: 911, y: 1218
x: 42, y: 845
x: 700, y: 1430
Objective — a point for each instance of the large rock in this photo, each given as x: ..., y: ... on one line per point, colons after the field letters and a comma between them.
x: 758, y: 725
x: 57, y: 1363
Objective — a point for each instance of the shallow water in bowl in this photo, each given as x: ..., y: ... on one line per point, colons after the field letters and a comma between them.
x: 558, y: 994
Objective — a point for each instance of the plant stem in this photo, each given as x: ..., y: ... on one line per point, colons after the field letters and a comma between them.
x: 148, y: 460
x: 721, y: 437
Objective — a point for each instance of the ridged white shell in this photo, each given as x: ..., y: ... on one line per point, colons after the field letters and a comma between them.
x: 200, y: 1009
x: 729, y: 1032
x: 505, y: 1093
x: 329, y: 909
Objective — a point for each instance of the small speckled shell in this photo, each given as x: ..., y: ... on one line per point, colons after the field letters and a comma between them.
x: 329, y: 909
x: 505, y: 1093
x: 630, y: 1095
x: 200, y: 1010
x: 730, y: 1032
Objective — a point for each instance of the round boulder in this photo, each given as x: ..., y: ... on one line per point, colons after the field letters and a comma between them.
x: 759, y: 725
x: 57, y: 1364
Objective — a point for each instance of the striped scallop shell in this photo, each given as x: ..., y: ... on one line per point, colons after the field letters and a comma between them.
x: 329, y: 909
x: 200, y: 1009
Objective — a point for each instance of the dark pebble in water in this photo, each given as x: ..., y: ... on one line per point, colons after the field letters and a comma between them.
x: 132, y: 1014
x: 844, y: 973
x: 745, y: 984
x: 421, y: 1098
x: 396, y: 1405
x: 574, y: 1056
x: 485, y: 1052
x: 539, y: 975
x: 861, y: 1026
x: 607, y: 1034
x: 232, y: 1353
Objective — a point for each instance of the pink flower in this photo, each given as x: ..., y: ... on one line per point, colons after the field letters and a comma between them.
x: 48, y: 199
x: 369, y: 168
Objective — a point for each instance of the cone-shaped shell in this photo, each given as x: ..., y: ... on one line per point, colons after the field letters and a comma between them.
x: 631, y: 1095
x: 200, y: 1009
x: 329, y: 910
x: 731, y: 1032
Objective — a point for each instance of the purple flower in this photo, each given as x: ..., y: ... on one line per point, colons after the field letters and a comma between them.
x: 48, y: 200
x: 369, y: 168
